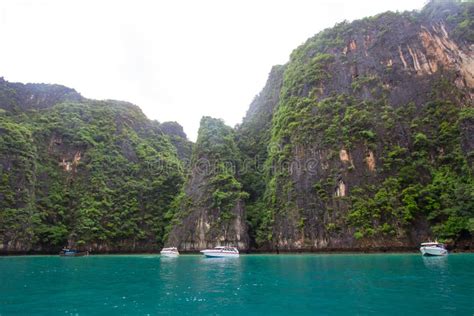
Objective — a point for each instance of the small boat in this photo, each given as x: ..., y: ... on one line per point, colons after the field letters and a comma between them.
x: 66, y: 252
x: 433, y: 249
x: 221, y: 252
x: 169, y: 252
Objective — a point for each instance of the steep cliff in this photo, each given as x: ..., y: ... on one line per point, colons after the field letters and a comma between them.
x: 210, y: 210
x: 178, y: 138
x: 18, y: 97
x: 253, y: 139
x: 371, y: 136
x: 363, y: 140
x: 92, y: 174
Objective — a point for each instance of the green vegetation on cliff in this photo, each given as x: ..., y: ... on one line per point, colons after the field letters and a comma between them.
x: 210, y: 208
x: 368, y: 147
x: 88, y: 173
x: 364, y: 139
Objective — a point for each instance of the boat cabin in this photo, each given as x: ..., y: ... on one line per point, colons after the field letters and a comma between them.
x: 432, y: 244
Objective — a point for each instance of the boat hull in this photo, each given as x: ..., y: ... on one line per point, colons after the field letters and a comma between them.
x: 433, y: 251
x: 169, y: 254
x: 216, y: 254
x: 77, y: 254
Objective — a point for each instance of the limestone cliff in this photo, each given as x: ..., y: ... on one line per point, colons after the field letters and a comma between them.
x: 363, y: 140
x: 178, y: 138
x: 210, y: 211
x: 371, y: 136
x: 96, y: 175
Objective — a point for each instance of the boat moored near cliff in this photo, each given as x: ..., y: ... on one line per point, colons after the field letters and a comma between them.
x: 169, y: 252
x: 221, y: 252
x: 433, y: 249
x: 66, y: 252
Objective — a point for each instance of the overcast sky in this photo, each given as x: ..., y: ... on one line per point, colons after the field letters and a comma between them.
x: 177, y: 60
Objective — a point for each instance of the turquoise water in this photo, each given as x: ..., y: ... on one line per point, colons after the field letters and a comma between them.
x: 388, y: 284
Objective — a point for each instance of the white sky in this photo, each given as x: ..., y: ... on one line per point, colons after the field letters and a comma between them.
x: 177, y: 60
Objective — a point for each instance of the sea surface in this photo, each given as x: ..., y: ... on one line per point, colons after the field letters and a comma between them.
x: 334, y: 284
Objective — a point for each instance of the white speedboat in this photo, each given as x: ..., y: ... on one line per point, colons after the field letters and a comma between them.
x: 221, y: 252
x: 433, y: 249
x: 169, y: 252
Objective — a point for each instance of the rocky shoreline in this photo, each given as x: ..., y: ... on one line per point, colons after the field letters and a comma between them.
x: 377, y: 250
x: 361, y: 142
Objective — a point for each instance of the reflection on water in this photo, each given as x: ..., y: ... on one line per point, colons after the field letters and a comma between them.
x: 440, y: 275
x: 194, y: 280
x: 435, y: 263
x: 165, y: 258
x: 221, y: 262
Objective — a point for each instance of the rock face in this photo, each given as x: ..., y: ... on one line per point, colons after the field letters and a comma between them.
x: 18, y: 97
x: 92, y: 174
x: 369, y: 119
x: 210, y: 211
x: 253, y: 140
x: 363, y: 140
x: 179, y: 140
